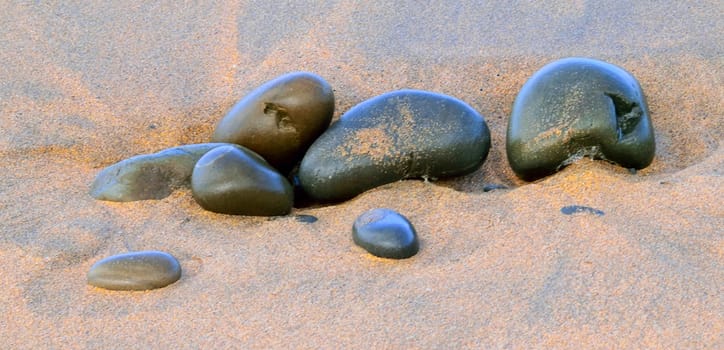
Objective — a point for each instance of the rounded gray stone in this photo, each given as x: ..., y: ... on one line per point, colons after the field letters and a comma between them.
x: 385, y: 233
x: 141, y: 270
x: 235, y: 180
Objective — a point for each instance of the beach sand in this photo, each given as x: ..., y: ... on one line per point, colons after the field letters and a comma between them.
x: 83, y: 86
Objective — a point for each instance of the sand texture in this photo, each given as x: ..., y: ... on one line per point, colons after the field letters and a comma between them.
x: 86, y: 84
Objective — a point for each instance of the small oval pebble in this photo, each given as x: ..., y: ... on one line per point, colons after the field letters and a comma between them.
x: 142, y: 270
x: 574, y: 108
x: 398, y: 135
x: 280, y: 119
x: 235, y: 180
x: 385, y: 233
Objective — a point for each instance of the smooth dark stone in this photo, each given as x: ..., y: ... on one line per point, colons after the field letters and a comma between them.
x: 573, y: 209
x: 385, y: 233
x: 399, y: 135
x: 306, y: 218
x: 578, y: 107
x: 135, y: 271
x: 235, y: 180
x: 149, y: 176
x: 280, y: 119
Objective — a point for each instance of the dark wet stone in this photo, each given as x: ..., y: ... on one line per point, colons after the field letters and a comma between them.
x: 385, y: 233
x: 306, y: 218
x: 280, y: 119
x: 399, y: 135
x: 573, y: 209
x: 149, y: 176
x: 135, y: 271
x: 578, y: 107
x: 235, y: 180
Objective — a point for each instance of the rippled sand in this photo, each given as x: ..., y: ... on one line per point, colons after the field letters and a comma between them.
x: 84, y: 86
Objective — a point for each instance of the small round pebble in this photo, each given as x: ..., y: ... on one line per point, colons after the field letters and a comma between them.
x: 386, y: 234
x: 142, y: 270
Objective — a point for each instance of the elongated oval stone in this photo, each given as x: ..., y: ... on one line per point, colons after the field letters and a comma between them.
x: 149, y: 176
x: 394, y: 136
x: 280, y: 119
x: 142, y: 270
x: 235, y: 180
x: 385, y: 233
x: 578, y: 107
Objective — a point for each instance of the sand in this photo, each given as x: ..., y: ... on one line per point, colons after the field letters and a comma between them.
x: 85, y: 85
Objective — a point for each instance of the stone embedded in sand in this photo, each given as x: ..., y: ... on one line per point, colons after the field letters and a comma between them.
x: 574, y: 209
x: 280, y: 119
x: 149, y: 176
x: 578, y: 107
x: 385, y: 233
x: 306, y: 218
x: 489, y: 187
x: 398, y: 135
x: 235, y: 180
x: 135, y: 271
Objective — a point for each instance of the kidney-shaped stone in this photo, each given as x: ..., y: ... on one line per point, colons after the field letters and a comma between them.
x: 280, y: 119
x: 578, y: 107
x: 394, y: 136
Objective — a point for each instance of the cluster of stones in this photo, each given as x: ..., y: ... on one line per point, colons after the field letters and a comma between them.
x: 279, y: 135
x: 279, y: 132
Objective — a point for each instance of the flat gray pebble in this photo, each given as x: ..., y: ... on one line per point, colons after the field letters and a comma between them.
x: 141, y: 270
